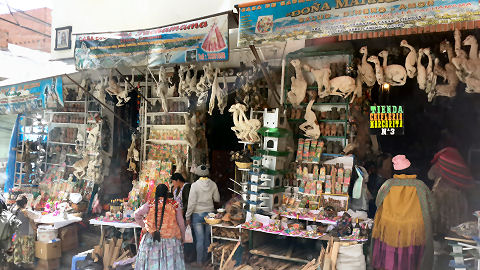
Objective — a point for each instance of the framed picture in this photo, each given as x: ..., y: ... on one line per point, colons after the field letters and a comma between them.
x: 63, y: 38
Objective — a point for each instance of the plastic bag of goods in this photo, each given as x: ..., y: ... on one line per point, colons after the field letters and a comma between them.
x: 351, y: 258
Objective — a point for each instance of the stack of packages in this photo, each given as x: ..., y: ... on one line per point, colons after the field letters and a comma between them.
x: 110, y: 251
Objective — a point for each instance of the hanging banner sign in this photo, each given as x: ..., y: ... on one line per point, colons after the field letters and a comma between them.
x: 31, y: 96
x: 273, y: 21
x: 195, y: 41
x: 386, y: 120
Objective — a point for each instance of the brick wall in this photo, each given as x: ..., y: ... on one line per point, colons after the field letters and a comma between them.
x: 24, y: 37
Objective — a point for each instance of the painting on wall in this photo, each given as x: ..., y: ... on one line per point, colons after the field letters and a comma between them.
x: 63, y: 38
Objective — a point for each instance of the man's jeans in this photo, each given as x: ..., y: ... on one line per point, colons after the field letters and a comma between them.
x: 202, y: 235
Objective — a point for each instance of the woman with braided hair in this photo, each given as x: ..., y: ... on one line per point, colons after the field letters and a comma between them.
x: 161, y: 247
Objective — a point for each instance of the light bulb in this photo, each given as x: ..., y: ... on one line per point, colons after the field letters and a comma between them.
x: 386, y: 86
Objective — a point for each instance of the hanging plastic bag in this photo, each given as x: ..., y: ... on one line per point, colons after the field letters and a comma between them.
x: 188, y: 235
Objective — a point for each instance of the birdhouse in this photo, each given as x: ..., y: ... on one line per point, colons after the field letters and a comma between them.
x: 273, y: 119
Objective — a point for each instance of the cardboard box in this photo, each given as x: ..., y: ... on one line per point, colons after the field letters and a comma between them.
x: 47, y: 251
x: 52, y: 264
x: 69, y: 237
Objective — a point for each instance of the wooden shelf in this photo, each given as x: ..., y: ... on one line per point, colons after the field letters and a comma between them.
x: 281, y: 257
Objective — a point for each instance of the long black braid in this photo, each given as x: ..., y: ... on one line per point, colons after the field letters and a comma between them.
x: 160, y: 191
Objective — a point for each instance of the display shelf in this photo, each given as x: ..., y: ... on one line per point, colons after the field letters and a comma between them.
x: 74, y: 101
x: 58, y: 124
x: 57, y: 165
x: 166, y: 126
x: 154, y: 141
x: 164, y: 113
x: 281, y: 257
x: 225, y: 238
x: 324, y: 221
x: 50, y: 112
x: 322, y: 237
x: 62, y: 143
x: 244, y: 170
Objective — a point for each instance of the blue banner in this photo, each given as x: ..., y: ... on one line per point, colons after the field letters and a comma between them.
x: 273, y: 21
x: 194, y: 41
x: 31, y: 96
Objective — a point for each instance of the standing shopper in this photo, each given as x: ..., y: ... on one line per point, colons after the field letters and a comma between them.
x: 402, y: 232
x: 200, y: 202
x: 9, y: 223
x: 452, y: 180
x: 161, y: 248
x: 181, y: 191
x: 24, y: 243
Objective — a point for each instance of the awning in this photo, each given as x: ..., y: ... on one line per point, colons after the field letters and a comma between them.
x: 270, y: 21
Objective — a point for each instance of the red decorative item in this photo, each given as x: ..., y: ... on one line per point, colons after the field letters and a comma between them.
x: 214, y: 41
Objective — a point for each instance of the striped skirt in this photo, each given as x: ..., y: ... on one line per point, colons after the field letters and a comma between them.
x: 164, y: 255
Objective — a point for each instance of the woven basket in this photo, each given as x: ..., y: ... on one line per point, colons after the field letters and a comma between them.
x: 212, y: 221
x: 243, y: 165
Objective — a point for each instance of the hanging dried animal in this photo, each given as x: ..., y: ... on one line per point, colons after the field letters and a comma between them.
x: 395, y: 75
x: 448, y: 73
x: 299, y: 85
x: 133, y: 156
x: 218, y: 93
x: 162, y: 88
x: 421, y: 71
x: 461, y: 57
x: 99, y: 89
x: 183, y: 84
x: 180, y: 160
x: 365, y: 70
x: 343, y: 86
x: 192, y: 84
x: 80, y: 166
x: 431, y: 77
x: 93, y: 171
x: 190, y: 124
x: 114, y: 89
x: 378, y: 69
x: 93, y: 134
x: 80, y: 90
x: 310, y: 127
x: 411, y: 59
x: 472, y: 66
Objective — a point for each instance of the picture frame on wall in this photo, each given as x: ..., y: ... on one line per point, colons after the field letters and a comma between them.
x: 63, y: 38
